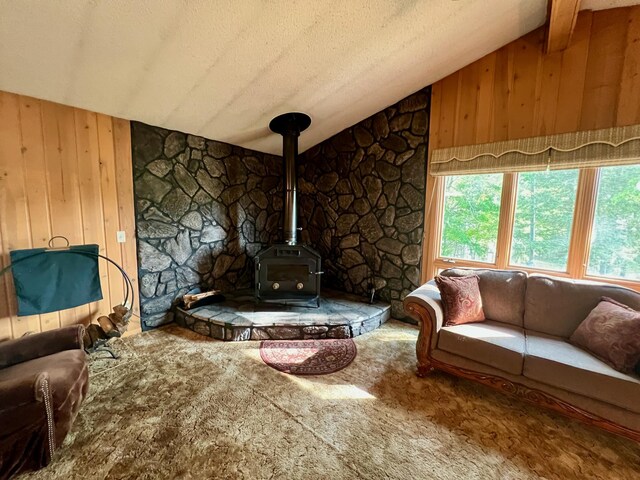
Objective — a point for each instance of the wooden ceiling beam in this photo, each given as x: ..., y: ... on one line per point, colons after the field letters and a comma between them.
x: 562, y: 20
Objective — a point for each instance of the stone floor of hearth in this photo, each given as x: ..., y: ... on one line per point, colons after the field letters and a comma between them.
x: 238, y: 318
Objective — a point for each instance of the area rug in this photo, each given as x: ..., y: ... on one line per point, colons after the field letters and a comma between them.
x: 308, y: 357
x: 189, y: 407
x: 102, y: 361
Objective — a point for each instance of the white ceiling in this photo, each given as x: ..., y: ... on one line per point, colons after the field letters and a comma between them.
x: 606, y: 4
x: 223, y: 68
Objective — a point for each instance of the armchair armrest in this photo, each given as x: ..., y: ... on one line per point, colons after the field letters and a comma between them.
x: 425, y: 305
x: 27, y: 428
x: 23, y: 390
x: 41, y: 344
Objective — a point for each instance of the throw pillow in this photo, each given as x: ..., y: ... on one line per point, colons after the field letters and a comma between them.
x: 461, y: 300
x: 612, y: 333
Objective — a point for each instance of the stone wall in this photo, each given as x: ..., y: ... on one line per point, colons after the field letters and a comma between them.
x: 362, y: 195
x: 203, y: 210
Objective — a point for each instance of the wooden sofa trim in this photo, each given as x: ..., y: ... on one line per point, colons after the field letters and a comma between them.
x: 427, y: 364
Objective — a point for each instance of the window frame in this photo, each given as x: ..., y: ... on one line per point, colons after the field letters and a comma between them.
x: 579, y: 242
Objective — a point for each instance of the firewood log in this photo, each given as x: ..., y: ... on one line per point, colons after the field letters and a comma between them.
x: 193, y: 300
x: 109, y: 327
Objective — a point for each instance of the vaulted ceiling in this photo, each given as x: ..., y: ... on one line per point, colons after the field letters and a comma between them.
x: 223, y: 68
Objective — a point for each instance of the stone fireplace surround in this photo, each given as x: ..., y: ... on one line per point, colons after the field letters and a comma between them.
x: 205, y: 208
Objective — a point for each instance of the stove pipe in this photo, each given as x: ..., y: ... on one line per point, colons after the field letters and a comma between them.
x: 289, y: 125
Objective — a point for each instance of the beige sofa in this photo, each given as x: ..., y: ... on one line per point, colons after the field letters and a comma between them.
x: 522, y: 348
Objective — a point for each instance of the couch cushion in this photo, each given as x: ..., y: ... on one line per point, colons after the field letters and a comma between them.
x: 556, y: 306
x: 491, y: 343
x: 553, y: 361
x: 502, y: 292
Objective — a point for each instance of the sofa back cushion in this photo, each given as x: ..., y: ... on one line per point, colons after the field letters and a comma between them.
x: 502, y: 292
x: 557, y: 306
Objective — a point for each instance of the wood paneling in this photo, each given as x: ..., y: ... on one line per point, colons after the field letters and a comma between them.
x: 64, y: 171
x: 604, y: 69
x: 519, y: 91
x: 572, y: 77
x: 629, y: 112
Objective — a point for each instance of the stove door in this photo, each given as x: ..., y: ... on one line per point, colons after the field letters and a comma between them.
x: 280, y: 278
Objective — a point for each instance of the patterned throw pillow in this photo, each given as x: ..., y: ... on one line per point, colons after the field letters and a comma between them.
x: 461, y: 300
x: 612, y: 333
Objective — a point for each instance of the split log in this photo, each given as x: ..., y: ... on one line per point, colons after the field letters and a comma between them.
x: 193, y: 300
x: 117, y: 322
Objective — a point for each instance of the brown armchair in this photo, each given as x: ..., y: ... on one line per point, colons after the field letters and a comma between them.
x: 43, y: 381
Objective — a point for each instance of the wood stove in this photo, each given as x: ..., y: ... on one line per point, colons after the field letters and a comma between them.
x: 289, y: 273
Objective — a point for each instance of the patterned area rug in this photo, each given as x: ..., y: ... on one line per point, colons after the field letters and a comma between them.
x: 308, y: 357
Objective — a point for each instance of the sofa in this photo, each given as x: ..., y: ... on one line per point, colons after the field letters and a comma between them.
x: 522, y: 347
x: 43, y: 381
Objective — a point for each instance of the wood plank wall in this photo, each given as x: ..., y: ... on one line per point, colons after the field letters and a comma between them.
x: 519, y: 92
x: 64, y: 171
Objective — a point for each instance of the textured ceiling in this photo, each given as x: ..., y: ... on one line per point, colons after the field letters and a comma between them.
x: 606, y: 4
x: 223, y: 69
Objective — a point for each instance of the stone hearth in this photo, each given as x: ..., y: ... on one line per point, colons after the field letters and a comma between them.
x: 238, y: 318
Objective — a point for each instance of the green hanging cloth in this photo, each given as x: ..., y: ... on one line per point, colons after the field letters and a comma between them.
x: 51, y: 280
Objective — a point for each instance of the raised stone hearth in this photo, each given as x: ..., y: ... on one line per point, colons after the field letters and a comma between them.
x: 238, y: 318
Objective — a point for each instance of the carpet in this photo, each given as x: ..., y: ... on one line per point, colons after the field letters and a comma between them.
x: 189, y: 407
x: 308, y: 357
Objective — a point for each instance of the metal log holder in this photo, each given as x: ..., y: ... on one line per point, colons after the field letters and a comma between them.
x: 97, y: 336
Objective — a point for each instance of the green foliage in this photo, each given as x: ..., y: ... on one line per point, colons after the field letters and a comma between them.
x: 615, y: 243
x: 472, y: 211
x: 544, y: 215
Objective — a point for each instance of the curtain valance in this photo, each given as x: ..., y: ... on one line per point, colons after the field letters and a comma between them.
x: 592, y: 148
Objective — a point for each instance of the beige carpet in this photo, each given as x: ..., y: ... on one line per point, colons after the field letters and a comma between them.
x: 178, y: 405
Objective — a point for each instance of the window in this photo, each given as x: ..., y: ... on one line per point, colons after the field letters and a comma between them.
x: 578, y: 223
x: 543, y: 219
x: 615, y: 237
x: 471, y: 213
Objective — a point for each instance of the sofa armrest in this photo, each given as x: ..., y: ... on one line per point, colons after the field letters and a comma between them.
x: 41, y: 344
x: 427, y: 296
x: 425, y: 305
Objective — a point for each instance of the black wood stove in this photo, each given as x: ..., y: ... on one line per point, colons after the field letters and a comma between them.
x: 289, y: 273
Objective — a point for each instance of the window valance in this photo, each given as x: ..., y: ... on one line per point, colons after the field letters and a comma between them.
x: 592, y: 148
